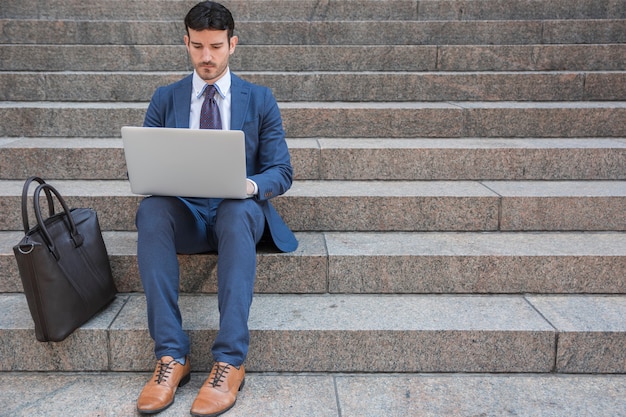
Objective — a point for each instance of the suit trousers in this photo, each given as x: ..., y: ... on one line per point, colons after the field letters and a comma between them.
x: 168, y: 226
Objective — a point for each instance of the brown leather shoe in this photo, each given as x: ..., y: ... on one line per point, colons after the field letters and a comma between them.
x: 219, y: 392
x: 158, y: 393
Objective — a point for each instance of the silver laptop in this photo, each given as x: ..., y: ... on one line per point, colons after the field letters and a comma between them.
x: 185, y: 162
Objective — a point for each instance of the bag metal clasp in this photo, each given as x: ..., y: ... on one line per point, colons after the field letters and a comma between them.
x: 32, y: 246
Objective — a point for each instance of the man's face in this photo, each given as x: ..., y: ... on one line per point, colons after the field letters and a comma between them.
x: 209, y: 51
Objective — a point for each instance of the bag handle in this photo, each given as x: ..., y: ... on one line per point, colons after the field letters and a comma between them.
x: 77, y: 238
x: 25, y: 200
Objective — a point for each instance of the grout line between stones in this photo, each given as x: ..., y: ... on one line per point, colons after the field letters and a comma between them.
x: 556, y: 330
x: 109, y: 349
x: 337, y: 399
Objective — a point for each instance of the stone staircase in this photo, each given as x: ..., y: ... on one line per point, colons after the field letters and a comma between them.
x: 459, y: 199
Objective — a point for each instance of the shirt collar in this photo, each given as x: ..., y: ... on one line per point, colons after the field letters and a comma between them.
x: 222, y: 85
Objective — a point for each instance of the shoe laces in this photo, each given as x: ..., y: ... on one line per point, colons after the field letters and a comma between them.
x: 218, y: 374
x: 164, y: 371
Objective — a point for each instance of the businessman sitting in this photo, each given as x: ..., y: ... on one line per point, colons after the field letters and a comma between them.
x: 212, y: 97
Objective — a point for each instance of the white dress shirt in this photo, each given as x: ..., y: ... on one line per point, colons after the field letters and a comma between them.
x: 222, y: 97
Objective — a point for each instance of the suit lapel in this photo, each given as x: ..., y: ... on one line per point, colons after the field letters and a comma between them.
x: 182, y: 102
x: 240, y: 97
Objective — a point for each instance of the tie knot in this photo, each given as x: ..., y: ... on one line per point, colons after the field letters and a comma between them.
x: 209, y: 91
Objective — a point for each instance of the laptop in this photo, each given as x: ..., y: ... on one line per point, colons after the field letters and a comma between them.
x: 185, y: 162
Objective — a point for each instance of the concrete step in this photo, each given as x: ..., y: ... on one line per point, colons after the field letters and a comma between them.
x: 285, y: 10
x: 591, y: 57
x: 331, y: 86
x: 345, y: 32
x: 344, y: 119
x: 387, y: 205
x: 350, y: 333
x: 335, y: 395
x: 352, y: 159
x: 395, y: 263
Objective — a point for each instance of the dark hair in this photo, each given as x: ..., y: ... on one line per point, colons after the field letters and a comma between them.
x: 210, y: 15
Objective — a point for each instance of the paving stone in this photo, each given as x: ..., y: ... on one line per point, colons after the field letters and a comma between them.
x: 391, y: 334
x: 595, y: 87
x: 347, y: 120
x: 244, y: 10
x: 531, y: 57
x: 352, y: 159
x: 171, y: 32
x: 394, y: 263
x: 277, y: 272
x: 96, y: 159
x: 458, y: 159
x: 543, y: 119
x: 45, y: 119
x: 295, y: 333
x: 388, y: 206
x: 505, y: 9
x: 328, y: 86
x: 345, y: 32
x: 531, y: 206
x: 287, y: 58
x: 578, y: 31
x: 83, y: 86
x: 384, y: 205
x: 87, y: 349
x: 313, y: 10
x: 605, y: 316
x: 425, y: 86
x: 476, y: 262
x: 481, y: 395
x: 103, y: 159
x: 114, y: 394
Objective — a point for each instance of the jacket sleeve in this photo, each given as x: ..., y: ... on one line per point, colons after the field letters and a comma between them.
x: 155, y: 114
x: 271, y: 167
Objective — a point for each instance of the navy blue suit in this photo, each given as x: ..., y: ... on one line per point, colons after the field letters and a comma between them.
x: 170, y: 225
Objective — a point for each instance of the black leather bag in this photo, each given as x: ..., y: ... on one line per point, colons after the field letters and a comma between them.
x: 63, y: 264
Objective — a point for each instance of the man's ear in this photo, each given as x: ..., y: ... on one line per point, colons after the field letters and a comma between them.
x: 233, y: 43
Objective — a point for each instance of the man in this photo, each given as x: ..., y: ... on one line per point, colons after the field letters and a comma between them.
x: 170, y: 225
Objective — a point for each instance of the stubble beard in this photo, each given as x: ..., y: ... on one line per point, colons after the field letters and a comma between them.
x: 211, y: 72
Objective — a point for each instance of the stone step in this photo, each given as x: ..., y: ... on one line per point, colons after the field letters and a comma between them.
x: 352, y: 159
x: 503, y: 32
x: 346, y: 119
x: 49, y: 58
x: 394, y: 263
x: 286, y: 10
x: 350, y: 333
x: 387, y: 205
x: 331, y: 86
x: 335, y: 395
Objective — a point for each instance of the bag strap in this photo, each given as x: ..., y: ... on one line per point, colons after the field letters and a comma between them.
x: 25, y: 201
x: 77, y: 238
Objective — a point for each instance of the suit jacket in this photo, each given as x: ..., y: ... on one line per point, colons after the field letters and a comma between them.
x: 255, y: 111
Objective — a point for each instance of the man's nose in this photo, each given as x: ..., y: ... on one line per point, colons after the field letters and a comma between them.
x: 206, y: 55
